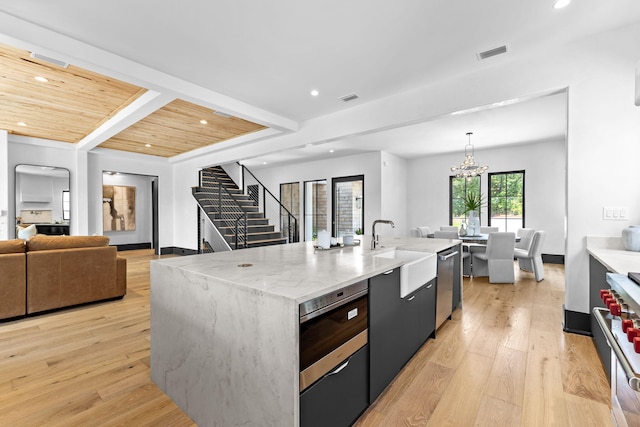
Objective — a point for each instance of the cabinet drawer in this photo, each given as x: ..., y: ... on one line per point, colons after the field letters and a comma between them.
x: 338, y: 399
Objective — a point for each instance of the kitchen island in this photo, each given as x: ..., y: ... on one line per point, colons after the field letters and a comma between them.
x: 225, y: 326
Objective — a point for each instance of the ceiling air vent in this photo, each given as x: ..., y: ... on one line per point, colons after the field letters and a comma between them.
x: 350, y: 97
x: 49, y: 60
x: 221, y: 114
x: 492, y: 52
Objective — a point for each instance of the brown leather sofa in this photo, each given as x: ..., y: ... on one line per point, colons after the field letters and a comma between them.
x: 49, y: 272
x: 70, y: 270
x: 13, y: 284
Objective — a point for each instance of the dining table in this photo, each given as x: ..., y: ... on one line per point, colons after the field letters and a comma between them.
x: 481, y: 238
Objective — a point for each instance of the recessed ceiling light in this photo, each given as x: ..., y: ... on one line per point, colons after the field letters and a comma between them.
x: 315, y: 92
x: 559, y: 4
x: 147, y: 145
x: 331, y: 151
x: 41, y: 79
x: 203, y: 122
x: 264, y: 163
x: 22, y: 124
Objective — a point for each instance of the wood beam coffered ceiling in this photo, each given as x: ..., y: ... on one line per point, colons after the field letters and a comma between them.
x: 176, y: 128
x: 72, y: 103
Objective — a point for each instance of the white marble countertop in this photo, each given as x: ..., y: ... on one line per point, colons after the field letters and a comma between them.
x: 612, y: 254
x: 296, y: 271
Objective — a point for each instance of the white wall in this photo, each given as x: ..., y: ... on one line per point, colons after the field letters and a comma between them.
x: 362, y: 164
x: 394, y: 196
x: 134, y: 164
x: 144, y: 220
x: 545, y: 177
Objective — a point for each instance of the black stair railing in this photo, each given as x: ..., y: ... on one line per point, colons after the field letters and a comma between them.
x: 270, y: 205
x: 222, y: 208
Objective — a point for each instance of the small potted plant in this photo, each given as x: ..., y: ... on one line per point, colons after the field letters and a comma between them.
x: 473, y: 202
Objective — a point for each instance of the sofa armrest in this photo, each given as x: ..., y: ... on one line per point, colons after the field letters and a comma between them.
x: 121, y: 275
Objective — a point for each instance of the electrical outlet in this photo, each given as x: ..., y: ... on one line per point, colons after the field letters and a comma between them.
x: 615, y: 213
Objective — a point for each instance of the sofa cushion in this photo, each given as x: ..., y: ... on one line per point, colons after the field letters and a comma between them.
x: 15, y: 246
x: 45, y: 243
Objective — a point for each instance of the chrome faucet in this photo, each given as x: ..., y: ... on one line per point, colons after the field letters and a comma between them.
x: 374, y: 239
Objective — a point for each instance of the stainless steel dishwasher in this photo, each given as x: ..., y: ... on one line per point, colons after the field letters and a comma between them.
x: 444, y: 293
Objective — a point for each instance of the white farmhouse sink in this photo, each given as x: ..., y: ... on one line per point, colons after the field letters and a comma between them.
x: 418, y: 268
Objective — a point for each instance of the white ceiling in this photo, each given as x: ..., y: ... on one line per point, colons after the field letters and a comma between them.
x: 271, y: 54
x: 520, y: 121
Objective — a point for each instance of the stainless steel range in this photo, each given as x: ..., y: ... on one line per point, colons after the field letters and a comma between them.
x: 620, y: 322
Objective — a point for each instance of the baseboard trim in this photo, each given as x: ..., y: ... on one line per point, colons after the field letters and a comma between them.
x: 552, y: 259
x: 133, y: 246
x: 576, y: 322
x: 174, y: 250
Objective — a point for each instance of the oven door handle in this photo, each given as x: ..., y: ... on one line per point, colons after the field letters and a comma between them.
x: 632, y: 377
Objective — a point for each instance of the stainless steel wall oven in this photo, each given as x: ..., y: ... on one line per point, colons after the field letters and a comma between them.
x: 334, y: 358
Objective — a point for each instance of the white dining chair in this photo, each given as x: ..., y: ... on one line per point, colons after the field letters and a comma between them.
x: 525, y: 235
x: 531, y: 258
x: 449, y: 234
x: 497, y: 261
x: 424, y: 231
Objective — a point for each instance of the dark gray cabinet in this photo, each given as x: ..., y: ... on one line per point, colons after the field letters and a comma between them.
x: 385, y: 324
x: 340, y: 397
x: 427, y: 321
x: 397, y: 327
x: 597, y: 281
x: 457, y: 279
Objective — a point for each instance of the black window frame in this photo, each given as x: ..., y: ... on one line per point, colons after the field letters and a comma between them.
x: 451, y: 178
x: 490, y: 196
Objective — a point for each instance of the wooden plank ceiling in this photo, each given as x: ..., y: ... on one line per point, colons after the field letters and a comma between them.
x: 177, y: 128
x: 70, y: 105
x: 74, y: 102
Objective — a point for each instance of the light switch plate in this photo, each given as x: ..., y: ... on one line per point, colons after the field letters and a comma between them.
x: 619, y: 213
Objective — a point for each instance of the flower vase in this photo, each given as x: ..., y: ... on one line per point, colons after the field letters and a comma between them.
x: 473, y: 226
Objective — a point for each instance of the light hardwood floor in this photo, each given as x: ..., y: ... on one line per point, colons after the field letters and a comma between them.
x: 503, y: 360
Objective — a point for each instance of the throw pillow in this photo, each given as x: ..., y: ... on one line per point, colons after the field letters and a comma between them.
x: 25, y: 232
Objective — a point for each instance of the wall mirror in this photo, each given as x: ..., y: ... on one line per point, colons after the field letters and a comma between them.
x: 42, y: 200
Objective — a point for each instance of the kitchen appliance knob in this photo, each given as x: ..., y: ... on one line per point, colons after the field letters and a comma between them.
x: 608, y: 301
x: 636, y: 344
x: 632, y: 333
x: 604, y: 293
x: 616, y: 309
x: 626, y: 324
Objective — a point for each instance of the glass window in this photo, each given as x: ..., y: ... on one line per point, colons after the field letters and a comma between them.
x: 458, y: 188
x: 315, y: 208
x: 290, y: 199
x: 348, y: 205
x: 506, y: 200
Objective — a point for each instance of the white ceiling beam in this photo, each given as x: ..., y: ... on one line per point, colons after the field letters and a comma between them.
x: 146, y: 104
x: 26, y: 35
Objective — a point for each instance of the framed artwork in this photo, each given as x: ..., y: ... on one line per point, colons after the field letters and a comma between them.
x: 118, y: 208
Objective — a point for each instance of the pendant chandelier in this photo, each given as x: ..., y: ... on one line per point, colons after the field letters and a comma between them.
x: 468, y: 168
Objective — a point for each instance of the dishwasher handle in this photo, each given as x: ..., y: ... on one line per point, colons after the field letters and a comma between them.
x: 447, y: 256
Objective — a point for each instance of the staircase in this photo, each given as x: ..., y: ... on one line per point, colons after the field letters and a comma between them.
x: 235, y: 215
